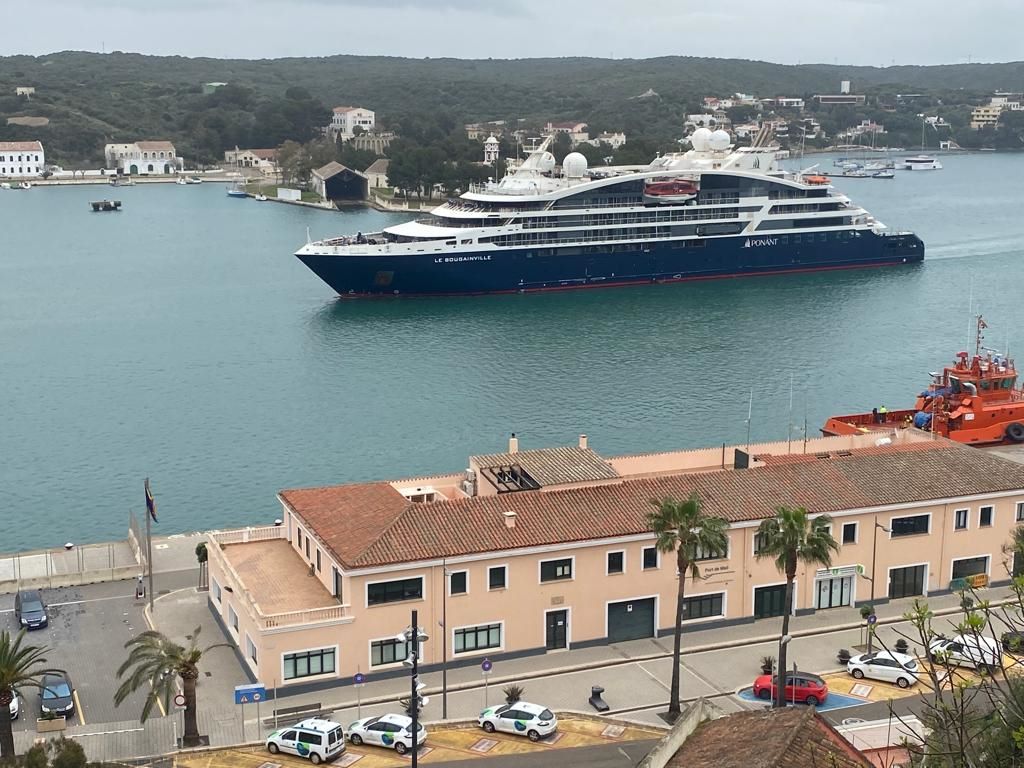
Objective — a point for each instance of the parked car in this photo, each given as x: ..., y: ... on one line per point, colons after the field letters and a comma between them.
x: 1013, y: 642
x: 30, y: 609
x: 888, y: 666
x: 56, y: 694
x: 319, y: 740
x: 15, y: 707
x: 800, y: 686
x: 966, y: 650
x: 392, y: 731
x: 530, y: 720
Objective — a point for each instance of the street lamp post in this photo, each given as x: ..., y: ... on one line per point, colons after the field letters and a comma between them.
x: 414, y: 636
x: 444, y: 642
x: 874, y: 552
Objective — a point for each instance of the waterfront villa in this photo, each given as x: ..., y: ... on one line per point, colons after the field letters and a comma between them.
x: 21, y: 159
x: 345, y: 120
x: 533, y: 551
x: 142, y: 158
x: 263, y: 159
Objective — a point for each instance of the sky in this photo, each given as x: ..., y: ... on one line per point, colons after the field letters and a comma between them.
x: 862, y: 32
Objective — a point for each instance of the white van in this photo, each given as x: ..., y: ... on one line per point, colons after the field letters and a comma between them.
x: 975, y: 651
x: 319, y: 740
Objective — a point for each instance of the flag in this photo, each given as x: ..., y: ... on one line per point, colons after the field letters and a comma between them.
x: 150, y: 502
x: 982, y: 323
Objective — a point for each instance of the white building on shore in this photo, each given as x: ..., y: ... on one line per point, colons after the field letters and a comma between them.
x: 143, y: 158
x: 22, y: 159
x: 345, y: 120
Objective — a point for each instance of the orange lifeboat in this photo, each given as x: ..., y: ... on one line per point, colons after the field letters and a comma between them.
x: 816, y: 179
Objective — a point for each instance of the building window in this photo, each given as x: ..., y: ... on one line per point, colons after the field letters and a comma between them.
x: 910, y: 526
x: 556, y: 570
x: 299, y: 531
x: 704, y: 606
x: 217, y: 594
x: 232, y: 618
x: 1020, y: 511
x: 318, y: 559
x: 497, y: 577
x: 700, y: 553
x: 477, y: 638
x: 960, y: 519
x: 250, y: 648
x: 985, y: 517
x: 458, y: 583
x: 849, y: 533
x: 307, y: 547
x: 758, y: 543
x: 616, y: 562
x: 650, y: 558
x: 390, y: 651
x: 309, y: 663
x: 336, y: 581
x: 382, y: 592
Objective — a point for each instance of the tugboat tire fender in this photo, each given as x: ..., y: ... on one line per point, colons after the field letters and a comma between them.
x: 1015, y: 432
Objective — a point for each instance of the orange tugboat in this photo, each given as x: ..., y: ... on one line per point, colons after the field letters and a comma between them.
x: 974, y: 401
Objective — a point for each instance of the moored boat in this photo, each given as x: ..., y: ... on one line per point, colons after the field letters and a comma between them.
x: 920, y: 163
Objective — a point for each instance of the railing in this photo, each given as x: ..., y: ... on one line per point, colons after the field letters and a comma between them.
x: 310, y: 616
x: 244, y: 535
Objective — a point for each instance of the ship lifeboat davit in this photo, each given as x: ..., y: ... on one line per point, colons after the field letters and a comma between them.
x: 676, y: 191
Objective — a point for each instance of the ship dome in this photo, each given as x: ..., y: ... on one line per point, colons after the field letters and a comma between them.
x: 700, y: 139
x: 720, y: 140
x: 574, y: 166
x: 546, y: 162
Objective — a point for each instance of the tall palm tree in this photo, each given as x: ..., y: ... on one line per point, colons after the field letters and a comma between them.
x: 21, y: 666
x: 791, y: 538
x: 683, y: 527
x: 153, y: 662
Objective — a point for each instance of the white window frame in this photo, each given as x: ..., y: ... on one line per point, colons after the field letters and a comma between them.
x: 322, y: 675
x: 369, y: 654
x: 233, y: 618
x: 540, y: 563
x: 448, y: 582
x: 608, y: 572
x: 988, y: 563
x: 480, y: 651
x: 992, y: 516
x: 657, y: 562
x: 1020, y: 512
x: 421, y: 598
x: 888, y: 578
x: 218, y: 591
x: 913, y: 514
x: 967, y: 518
x: 856, y: 533
x: 725, y: 606
x: 497, y: 589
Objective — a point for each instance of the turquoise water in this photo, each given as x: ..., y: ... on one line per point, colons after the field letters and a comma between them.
x: 181, y: 340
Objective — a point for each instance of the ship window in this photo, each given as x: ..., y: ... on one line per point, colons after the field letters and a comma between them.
x: 796, y: 238
x: 985, y: 384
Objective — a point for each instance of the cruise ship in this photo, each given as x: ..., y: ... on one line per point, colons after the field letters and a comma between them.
x: 712, y: 211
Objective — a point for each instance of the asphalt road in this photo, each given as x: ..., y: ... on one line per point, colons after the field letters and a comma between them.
x: 602, y: 756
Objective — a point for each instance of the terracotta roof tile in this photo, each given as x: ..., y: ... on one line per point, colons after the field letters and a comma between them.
x: 554, y: 466
x: 373, y: 525
x: 793, y: 737
x: 149, y: 146
x: 20, y: 146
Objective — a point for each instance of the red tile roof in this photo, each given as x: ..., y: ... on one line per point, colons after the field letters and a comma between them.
x: 373, y: 525
x: 150, y: 146
x: 265, y: 154
x: 793, y: 737
x: 20, y: 146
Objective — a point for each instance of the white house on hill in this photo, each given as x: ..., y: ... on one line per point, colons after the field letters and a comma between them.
x: 345, y: 120
x: 143, y: 158
x: 21, y: 158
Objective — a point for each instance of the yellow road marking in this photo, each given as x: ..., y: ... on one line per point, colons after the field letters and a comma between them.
x: 78, y: 707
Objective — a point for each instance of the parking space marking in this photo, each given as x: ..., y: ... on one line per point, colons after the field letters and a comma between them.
x: 484, y: 745
x: 653, y: 676
x: 78, y: 707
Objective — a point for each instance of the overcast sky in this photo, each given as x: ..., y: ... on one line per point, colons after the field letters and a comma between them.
x: 868, y: 32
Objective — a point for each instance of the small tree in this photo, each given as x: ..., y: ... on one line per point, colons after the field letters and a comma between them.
x: 21, y: 666
x: 202, y: 555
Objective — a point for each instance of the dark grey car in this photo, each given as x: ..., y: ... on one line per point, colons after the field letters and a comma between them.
x: 30, y: 609
x: 56, y: 695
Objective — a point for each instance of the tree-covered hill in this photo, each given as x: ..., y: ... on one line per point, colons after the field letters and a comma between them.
x: 93, y: 98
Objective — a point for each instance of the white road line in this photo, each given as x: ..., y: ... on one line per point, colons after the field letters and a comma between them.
x: 653, y: 677
x: 81, y: 602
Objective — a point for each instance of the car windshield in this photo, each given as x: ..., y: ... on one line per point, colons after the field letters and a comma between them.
x: 503, y: 708
x: 371, y: 721
x: 56, y: 690
x: 32, y: 606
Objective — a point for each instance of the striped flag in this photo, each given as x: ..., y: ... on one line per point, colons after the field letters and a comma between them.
x: 150, y: 502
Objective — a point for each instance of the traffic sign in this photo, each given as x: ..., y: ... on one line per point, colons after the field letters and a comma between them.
x: 359, y: 678
x: 486, y: 666
x: 250, y: 694
x: 872, y: 619
x: 179, y: 700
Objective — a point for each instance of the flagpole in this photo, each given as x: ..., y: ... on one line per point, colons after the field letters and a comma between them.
x: 149, y: 550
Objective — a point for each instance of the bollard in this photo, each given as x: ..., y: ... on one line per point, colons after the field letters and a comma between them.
x: 595, y: 699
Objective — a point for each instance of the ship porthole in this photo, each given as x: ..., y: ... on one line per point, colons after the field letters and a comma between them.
x: 395, y: 292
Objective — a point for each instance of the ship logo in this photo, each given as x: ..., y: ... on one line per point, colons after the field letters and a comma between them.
x: 759, y: 242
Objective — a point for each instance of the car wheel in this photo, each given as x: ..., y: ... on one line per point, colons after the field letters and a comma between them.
x: 858, y: 673
x: 488, y: 726
x: 314, y: 758
x: 355, y: 739
x: 272, y: 748
x: 765, y: 694
x: 400, y: 748
x: 902, y: 682
x: 533, y: 735
x: 811, y: 701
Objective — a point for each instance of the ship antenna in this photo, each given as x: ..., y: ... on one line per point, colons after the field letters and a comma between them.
x: 308, y: 241
x: 978, y: 337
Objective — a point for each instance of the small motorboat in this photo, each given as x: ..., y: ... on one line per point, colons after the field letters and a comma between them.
x: 5, y: 185
x: 24, y: 185
x: 181, y: 180
x: 194, y: 180
x: 886, y: 174
x: 106, y: 206
x: 261, y: 198
x: 674, y: 191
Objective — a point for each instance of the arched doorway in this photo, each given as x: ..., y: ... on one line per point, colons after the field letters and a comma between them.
x: 149, y: 168
x: 134, y: 169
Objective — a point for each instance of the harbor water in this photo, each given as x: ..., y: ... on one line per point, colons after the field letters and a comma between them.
x: 180, y: 340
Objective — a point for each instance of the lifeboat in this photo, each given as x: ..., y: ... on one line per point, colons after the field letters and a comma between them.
x: 816, y: 179
x: 675, y: 191
x: 975, y: 401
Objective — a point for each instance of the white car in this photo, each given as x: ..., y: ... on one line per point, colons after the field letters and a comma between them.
x: 392, y: 731
x: 522, y: 718
x: 15, y: 707
x: 888, y: 666
x: 319, y: 740
x: 966, y: 650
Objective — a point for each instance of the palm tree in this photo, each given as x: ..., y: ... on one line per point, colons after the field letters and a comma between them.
x: 21, y: 666
x: 153, y: 662
x: 791, y: 538
x: 683, y: 527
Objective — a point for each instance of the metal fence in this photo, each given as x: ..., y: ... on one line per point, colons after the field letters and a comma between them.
x: 69, y: 566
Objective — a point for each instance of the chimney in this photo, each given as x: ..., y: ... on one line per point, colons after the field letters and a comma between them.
x: 510, y: 519
x: 513, y: 444
x: 583, y: 441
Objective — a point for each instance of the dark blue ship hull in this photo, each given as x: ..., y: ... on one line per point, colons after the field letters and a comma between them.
x: 537, y: 269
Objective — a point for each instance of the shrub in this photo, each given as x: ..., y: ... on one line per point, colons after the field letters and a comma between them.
x: 513, y: 693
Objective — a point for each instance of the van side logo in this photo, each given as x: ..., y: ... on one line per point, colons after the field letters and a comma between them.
x: 760, y: 242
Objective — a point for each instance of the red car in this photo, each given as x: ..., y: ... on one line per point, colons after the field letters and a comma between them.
x: 800, y: 686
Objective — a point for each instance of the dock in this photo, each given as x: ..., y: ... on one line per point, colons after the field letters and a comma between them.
x: 105, y: 205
